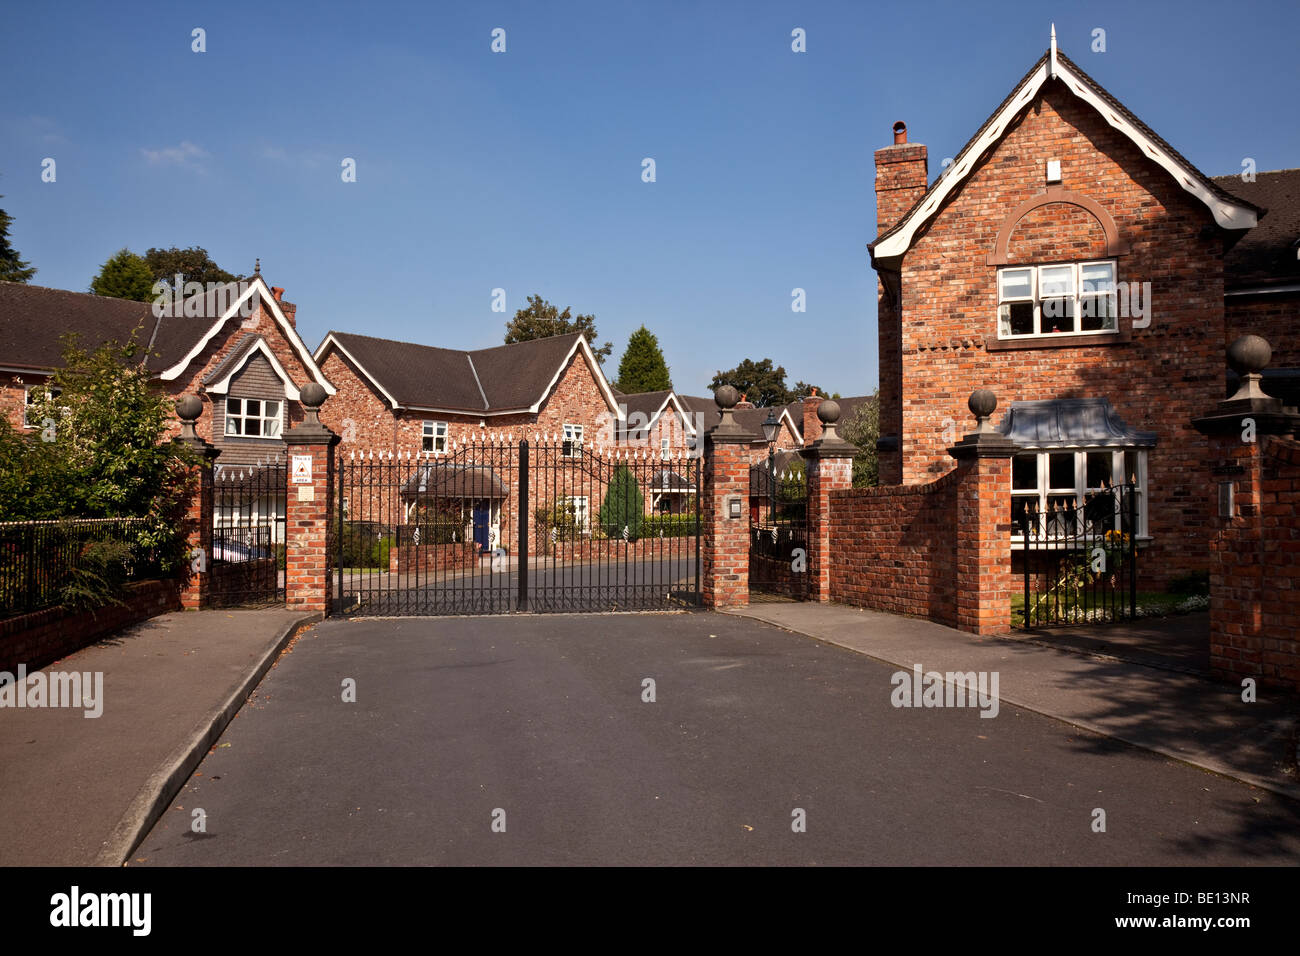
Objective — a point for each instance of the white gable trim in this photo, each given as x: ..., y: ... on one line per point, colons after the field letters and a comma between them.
x: 592, y: 364
x: 1226, y: 214
x: 223, y: 386
x: 331, y: 342
x: 288, y: 331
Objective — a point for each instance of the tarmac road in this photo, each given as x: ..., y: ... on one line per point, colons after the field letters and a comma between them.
x: 539, y: 723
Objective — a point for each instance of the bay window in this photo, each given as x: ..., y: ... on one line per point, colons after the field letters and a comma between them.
x: 1047, y: 482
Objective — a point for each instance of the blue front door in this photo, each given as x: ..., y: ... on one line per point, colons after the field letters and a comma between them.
x: 482, y: 519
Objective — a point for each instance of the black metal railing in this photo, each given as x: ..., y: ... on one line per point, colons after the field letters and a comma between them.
x: 249, y: 535
x: 1079, y: 558
x: 778, y: 528
x: 69, y: 561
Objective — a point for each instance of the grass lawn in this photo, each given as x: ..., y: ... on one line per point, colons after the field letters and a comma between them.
x: 1149, y: 604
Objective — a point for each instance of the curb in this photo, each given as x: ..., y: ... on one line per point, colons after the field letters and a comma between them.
x: 166, y: 782
x: 1288, y: 790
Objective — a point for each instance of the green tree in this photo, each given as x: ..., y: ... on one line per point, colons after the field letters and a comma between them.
x: 643, y: 368
x: 12, y: 268
x: 192, y: 265
x: 862, y: 429
x: 624, y: 505
x: 124, y: 276
x: 105, y: 423
x: 541, y: 320
x: 761, y: 383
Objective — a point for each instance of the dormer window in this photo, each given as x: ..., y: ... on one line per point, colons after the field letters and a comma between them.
x: 252, y: 418
x: 1076, y: 298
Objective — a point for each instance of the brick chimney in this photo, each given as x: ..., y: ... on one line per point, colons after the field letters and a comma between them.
x: 744, y: 402
x: 901, y: 178
x: 290, y: 312
x: 811, y: 425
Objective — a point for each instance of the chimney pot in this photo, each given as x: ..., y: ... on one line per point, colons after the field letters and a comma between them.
x: 900, y: 133
x: 277, y: 292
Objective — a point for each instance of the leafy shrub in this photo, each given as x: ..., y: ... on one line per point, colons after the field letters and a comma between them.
x: 624, y: 506
x: 98, y: 577
x: 668, y: 526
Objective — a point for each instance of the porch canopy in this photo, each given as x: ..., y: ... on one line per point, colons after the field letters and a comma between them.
x: 1071, y: 423
x: 446, y: 480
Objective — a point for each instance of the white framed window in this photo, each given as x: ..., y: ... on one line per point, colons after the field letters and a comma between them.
x: 579, y: 505
x: 1048, y: 481
x: 433, y: 438
x: 665, y: 448
x: 572, y: 441
x: 33, y: 395
x: 253, y: 417
x: 1073, y: 298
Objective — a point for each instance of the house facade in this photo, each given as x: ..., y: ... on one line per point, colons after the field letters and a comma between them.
x: 1073, y: 262
x: 236, y: 347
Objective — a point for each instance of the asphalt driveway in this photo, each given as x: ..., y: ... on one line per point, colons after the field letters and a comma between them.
x: 539, y: 723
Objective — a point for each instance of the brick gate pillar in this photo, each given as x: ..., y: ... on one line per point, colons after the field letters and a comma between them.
x: 309, y: 507
x: 983, y: 572
x: 724, y: 550
x: 196, y: 582
x: 830, y: 468
x: 1239, y: 428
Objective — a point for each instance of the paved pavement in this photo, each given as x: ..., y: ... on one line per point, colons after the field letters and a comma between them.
x: 77, y: 791
x: 1091, y: 681
x: 540, y: 723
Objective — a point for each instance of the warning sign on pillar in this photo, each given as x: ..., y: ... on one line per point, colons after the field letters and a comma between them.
x: 302, y: 469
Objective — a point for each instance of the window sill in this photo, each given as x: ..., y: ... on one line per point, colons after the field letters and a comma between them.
x: 1058, y: 341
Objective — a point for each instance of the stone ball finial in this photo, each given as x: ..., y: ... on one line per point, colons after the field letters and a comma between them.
x: 1249, y: 354
x: 313, y: 395
x: 828, y: 412
x: 982, y: 403
x: 189, y: 407
x: 726, y: 396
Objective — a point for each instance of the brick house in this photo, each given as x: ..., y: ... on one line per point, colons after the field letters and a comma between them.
x: 247, y: 368
x: 421, y: 402
x: 237, y: 348
x: 1073, y: 262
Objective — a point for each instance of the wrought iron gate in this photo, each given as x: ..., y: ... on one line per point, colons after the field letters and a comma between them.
x: 778, y: 527
x: 248, y: 534
x: 494, y: 527
x: 1079, y: 560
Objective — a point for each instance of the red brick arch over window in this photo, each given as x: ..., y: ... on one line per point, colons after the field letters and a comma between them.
x: 1115, y: 246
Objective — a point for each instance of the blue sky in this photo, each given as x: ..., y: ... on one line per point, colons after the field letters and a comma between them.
x: 522, y: 170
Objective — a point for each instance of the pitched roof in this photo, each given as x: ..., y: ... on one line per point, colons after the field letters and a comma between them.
x: 1267, y: 255
x: 1229, y: 211
x: 492, y: 381
x: 750, y: 419
x: 33, y: 318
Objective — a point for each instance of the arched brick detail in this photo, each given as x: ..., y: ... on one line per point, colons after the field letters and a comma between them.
x: 1115, y: 246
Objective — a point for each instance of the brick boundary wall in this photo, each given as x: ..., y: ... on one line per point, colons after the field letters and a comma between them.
x: 894, y: 548
x: 680, y: 546
x: 432, y: 558
x: 47, y: 635
x: 227, y: 576
x: 1255, y: 570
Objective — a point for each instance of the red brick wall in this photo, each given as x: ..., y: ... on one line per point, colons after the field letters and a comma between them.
x: 1275, y: 317
x: 432, y: 558
x: 1158, y: 381
x: 1255, y: 568
x: 724, y: 550
x: 894, y: 548
x: 44, y: 636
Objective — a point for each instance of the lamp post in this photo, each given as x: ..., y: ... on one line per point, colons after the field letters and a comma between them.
x: 771, y: 425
